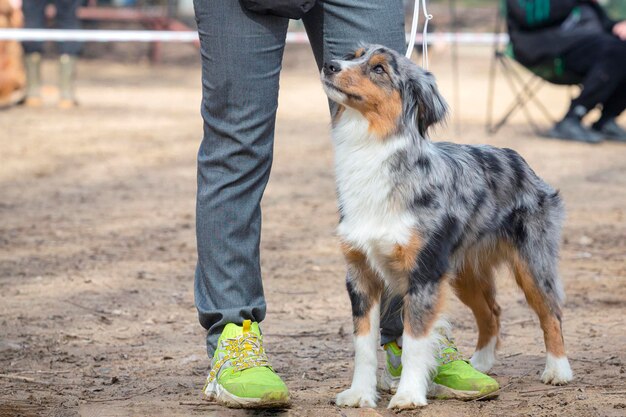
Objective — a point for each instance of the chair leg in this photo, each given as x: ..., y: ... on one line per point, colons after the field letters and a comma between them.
x: 497, y: 54
x: 490, y: 93
x: 523, y: 93
x: 532, y: 97
x: 524, y: 90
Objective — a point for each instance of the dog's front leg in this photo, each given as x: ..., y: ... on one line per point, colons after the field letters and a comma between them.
x: 421, y: 309
x: 363, y: 392
x: 365, y: 291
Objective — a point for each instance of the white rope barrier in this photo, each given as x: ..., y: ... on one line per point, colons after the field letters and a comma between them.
x: 192, y: 36
x: 413, y: 33
x: 98, y: 35
x: 428, y: 17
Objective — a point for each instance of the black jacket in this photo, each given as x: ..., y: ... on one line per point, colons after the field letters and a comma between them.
x: 539, y: 35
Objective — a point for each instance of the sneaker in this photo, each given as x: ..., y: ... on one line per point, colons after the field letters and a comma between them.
x: 570, y: 128
x: 455, y: 379
x: 390, y: 378
x: 241, y: 376
x: 610, y: 130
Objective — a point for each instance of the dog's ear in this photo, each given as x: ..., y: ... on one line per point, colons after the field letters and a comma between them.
x: 423, y: 105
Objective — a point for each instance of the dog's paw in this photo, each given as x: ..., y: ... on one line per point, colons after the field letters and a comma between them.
x: 557, y: 372
x: 482, y: 360
x: 357, y: 397
x: 407, y: 400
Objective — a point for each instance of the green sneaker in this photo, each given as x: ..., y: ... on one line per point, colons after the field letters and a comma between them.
x: 241, y: 376
x: 390, y: 378
x: 455, y: 379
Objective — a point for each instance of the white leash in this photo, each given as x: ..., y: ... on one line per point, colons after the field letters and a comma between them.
x: 414, y: 23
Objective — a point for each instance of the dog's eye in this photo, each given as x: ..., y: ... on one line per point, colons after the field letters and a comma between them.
x: 379, y: 69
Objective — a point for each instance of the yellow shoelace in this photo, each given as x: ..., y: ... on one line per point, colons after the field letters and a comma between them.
x: 448, y: 352
x: 244, y: 352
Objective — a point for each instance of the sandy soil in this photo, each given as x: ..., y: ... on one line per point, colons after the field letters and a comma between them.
x: 97, y: 252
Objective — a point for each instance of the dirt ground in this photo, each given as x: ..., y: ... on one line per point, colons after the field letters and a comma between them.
x: 97, y: 252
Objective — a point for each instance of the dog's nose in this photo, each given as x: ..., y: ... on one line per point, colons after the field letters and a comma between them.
x: 331, y: 67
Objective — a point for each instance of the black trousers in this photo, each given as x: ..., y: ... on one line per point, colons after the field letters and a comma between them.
x: 34, y: 18
x: 601, y: 60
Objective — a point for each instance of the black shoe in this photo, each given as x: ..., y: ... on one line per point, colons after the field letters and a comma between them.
x: 610, y: 130
x: 570, y: 128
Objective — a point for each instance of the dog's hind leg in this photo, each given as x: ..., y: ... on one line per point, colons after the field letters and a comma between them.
x: 474, y: 285
x: 533, y: 236
x: 537, y: 276
x: 365, y: 290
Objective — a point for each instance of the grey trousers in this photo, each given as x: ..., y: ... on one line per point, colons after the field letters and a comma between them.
x: 241, y: 61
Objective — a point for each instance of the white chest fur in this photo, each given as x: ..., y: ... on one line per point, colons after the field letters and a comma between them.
x: 373, y: 221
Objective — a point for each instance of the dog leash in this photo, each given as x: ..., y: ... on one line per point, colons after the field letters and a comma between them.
x: 414, y: 23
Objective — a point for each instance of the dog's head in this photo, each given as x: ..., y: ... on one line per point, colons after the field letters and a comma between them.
x: 391, y: 92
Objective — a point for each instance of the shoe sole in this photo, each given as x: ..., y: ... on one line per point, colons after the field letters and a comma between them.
x: 437, y: 391
x: 441, y: 392
x: 216, y: 392
x: 552, y: 135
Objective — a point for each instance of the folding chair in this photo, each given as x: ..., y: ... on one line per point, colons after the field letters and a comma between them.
x: 524, y: 88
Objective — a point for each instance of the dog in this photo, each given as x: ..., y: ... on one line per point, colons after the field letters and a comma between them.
x: 415, y: 214
x: 12, y: 75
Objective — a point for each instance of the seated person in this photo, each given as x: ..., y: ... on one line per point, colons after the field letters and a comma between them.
x: 590, y: 45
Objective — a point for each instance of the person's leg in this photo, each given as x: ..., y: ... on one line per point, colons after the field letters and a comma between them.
x: 34, y: 18
x: 600, y: 60
x: 607, y: 126
x: 67, y: 18
x: 616, y: 103
x: 241, y: 61
x: 335, y: 28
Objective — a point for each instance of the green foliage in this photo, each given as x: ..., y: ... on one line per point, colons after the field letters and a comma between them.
x: 616, y: 9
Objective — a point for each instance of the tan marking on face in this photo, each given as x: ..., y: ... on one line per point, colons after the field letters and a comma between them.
x: 403, y: 257
x: 359, y: 52
x: 474, y: 286
x: 381, y: 107
x: 432, y: 316
x: 548, y: 315
x: 378, y: 59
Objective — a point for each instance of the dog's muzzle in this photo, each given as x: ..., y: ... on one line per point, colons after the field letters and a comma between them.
x: 331, y: 68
